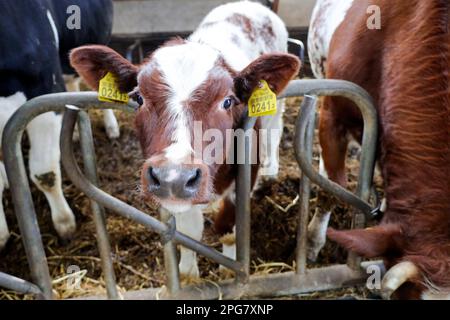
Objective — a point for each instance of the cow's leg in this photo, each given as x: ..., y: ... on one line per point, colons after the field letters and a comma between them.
x: 191, y: 224
x: 269, y: 143
x: 224, y: 225
x: 317, y: 232
x: 45, y: 172
x: 8, y: 105
x: 111, y: 124
x: 333, y: 142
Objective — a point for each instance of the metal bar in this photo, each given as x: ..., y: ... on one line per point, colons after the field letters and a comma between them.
x: 308, y: 104
x: 90, y: 169
x: 55, y: 102
x: 121, y: 208
x: 12, y: 283
x: 266, y: 286
x: 367, y: 162
x: 243, y: 189
x: 170, y: 258
x: 17, y: 176
x: 301, y: 50
x: 131, y: 48
x: 364, y: 102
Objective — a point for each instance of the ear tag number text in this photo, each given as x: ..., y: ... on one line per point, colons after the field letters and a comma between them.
x: 109, y: 91
x: 263, y: 101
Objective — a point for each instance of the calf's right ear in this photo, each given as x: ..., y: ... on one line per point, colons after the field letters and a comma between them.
x: 93, y: 62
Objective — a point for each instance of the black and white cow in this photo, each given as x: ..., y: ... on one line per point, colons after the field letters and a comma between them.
x: 34, y: 43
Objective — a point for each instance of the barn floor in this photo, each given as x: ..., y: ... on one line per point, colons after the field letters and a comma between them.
x: 137, y: 253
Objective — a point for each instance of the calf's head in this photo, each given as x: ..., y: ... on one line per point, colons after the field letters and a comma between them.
x: 182, y: 86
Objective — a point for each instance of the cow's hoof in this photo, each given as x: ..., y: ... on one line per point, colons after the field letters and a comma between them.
x: 65, y: 226
x: 189, y: 271
x: 189, y: 280
x: 225, y: 273
x: 3, y: 240
x: 313, y: 251
x: 113, y: 132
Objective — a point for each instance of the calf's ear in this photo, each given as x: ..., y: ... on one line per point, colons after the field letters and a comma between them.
x: 92, y: 62
x: 275, y: 68
x: 369, y: 242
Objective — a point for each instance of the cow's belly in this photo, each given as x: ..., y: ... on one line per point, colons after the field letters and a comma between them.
x: 326, y: 18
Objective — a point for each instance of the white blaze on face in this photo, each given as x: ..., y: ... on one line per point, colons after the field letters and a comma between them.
x: 184, y: 68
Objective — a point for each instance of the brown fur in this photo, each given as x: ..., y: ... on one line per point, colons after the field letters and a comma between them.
x: 94, y: 61
x: 404, y: 66
x: 153, y: 123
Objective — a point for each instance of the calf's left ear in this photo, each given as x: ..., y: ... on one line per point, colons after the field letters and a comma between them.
x: 275, y: 68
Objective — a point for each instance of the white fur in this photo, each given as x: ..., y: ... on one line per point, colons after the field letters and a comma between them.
x: 53, y: 26
x: 220, y: 35
x: 322, y: 170
x: 229, y: 250
x: 190, y: 223
x: 8, y: 105
x: 317, y: 233
x: 185, y: 67
x: 111, y: 124
x: 43, y: 133
x: 269, y: 150
x: 332, y: 13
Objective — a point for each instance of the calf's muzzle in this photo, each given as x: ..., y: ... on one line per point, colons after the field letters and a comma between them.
x: 177, y: 182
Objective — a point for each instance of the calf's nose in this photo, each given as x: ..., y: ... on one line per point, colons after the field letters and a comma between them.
x: 182, y: 183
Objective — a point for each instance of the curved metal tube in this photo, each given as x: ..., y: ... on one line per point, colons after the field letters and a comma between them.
x: 19, y: 285
x: 121, y: 208
x: 364, y: 102
x: 17, y: 175
x: 308, y: 103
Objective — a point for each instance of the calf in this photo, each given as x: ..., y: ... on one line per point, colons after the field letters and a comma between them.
x: 404, y: 66
x: 204, y: 81
x: 34, y: 46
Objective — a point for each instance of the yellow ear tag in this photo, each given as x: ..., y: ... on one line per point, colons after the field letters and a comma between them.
x: 109, y: 91
x: 263, y: 101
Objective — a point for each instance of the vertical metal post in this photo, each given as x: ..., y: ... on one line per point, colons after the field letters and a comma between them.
x: 243, y: 188
x: 170, y: 256
x: 90, y: 169
x: 308, y: 107
x: 23, y: 204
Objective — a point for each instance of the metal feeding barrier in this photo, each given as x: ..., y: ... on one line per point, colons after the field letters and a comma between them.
x: 301, y: 281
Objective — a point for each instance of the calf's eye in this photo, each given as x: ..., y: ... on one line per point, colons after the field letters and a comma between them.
x: 139, y: 99
x: 228, y: 103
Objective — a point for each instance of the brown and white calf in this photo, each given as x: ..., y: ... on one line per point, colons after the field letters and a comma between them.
x: 207, y: 80
x: 404, y: 66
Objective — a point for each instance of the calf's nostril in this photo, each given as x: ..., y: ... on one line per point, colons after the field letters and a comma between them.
x: 153, y: 177
x: 194, y: 179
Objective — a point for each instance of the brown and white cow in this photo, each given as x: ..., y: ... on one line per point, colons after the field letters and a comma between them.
x: 207, y: 80
x: 404, y: 66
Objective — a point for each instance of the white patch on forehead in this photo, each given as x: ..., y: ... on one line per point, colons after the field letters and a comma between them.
x: 184, y: 68
x: 53, y: 26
